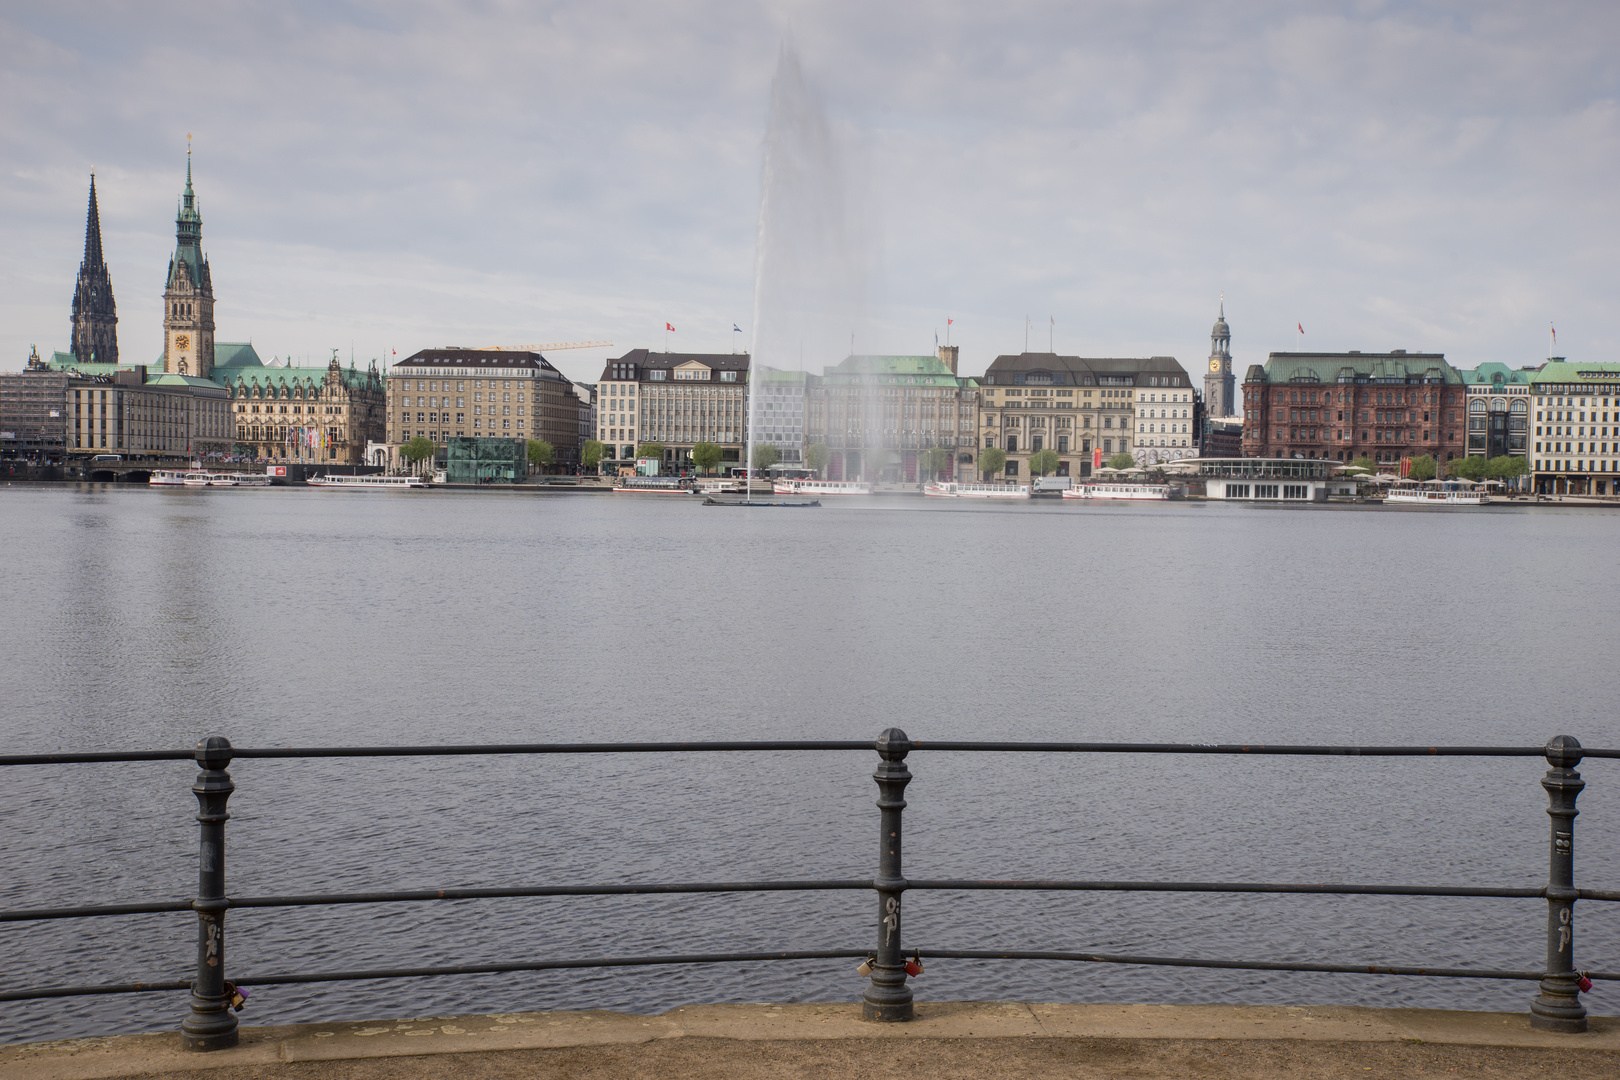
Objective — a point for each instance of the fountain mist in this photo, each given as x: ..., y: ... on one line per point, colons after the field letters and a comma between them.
x: 808, y: 274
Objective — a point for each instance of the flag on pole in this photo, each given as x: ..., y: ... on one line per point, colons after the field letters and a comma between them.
x: 668, y: 328
x: 1300, y: 327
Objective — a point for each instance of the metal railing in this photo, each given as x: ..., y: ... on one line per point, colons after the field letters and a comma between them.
x: 210, y: 1023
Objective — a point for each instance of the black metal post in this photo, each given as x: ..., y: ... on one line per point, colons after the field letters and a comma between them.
x: 888, y: 997
x: 211, y: 1025
x: 1558, y: 1007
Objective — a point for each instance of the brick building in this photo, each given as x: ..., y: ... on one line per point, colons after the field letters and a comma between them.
x: 1341, y: 406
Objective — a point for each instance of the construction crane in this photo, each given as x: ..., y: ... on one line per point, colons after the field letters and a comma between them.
x: 554, y: 346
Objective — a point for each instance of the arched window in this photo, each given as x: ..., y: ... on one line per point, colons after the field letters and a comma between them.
x: 1519, y: 407
x: 1476, y: 406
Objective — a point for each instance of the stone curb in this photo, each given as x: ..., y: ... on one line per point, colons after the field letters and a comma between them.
x: 128, y: 1055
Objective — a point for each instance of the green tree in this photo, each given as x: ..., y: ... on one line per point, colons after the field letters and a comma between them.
x: 592, y: 453
x: 816, y: 456
x: 1122, y: 461
x: 933, y: 460
x: 1507, y: 467
x: 1422, y: 468
x: 652, y: 450
x: 1365, y: 463
x: 765, y: 455
x: 541, y: 452
x: 993, y: 460
x: 1042, y: 462
x: 706, y: 455
x: 418, y: 450
x: 1467, y: 468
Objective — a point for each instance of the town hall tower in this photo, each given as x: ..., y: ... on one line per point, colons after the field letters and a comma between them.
x: 188, y: 299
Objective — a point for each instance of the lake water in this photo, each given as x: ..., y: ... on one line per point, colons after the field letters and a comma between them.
x: 139, y: 618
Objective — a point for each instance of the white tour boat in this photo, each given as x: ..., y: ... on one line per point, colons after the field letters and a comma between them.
x: 652, y: 485
x: 717, y: 487
x: 373, y: 482
x: 951, y: 489
x: 821, y: 487
x: 172, y: 477
x: 1133, y: 492
x: 1436, y: 496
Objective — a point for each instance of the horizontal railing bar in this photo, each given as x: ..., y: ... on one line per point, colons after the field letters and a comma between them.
x: 1244, y: 965
x: 815, y: 954
x: 459, y: 969
x: 799, y: 745
x: 807, y: 885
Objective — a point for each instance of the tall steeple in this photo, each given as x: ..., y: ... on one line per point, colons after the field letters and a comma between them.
x: 95, y: 316
x: 188, y: 297
x: 1220, y: 385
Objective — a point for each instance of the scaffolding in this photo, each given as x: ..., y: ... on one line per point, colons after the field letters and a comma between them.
x: 33, y: 414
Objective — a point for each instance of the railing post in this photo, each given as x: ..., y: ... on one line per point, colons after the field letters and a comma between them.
x: 1558, y: 1007
x: 211, y: 1025
x: 888, y: 997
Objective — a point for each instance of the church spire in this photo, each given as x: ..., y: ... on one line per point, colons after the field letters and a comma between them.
x: 188, y: 298
x: 95, y: 315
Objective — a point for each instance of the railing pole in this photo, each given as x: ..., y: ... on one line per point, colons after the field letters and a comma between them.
x: 1558, y: 1007
x: 211, y: 1025
x: 888, y: 997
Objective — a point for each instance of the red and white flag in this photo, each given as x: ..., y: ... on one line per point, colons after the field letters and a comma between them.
x: 668, y: 328
x: 1300, y: 327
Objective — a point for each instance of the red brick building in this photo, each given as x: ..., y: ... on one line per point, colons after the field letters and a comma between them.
x: 1341, y: 406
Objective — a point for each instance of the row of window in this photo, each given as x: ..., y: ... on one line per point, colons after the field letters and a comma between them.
x: 433, y: 385
x: 1579, y: 448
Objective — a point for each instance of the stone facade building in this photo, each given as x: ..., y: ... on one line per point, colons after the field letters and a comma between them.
x: 677, y: 399
x: 146, y: 416
x: 455, y: 393
x: 1575, y: 421
x: 95, y: 315
x: 322, y: 415
x: 1082, y: 407
x: 1342, y: 406
x: 877, y: 414
x: 1498, y: 410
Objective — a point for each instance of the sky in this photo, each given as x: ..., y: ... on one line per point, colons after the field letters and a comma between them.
x: 376, y: 178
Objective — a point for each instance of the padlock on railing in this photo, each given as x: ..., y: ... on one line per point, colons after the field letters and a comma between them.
x: 914, y: 965
x: 1583, y: 982
x: 866, y: 967
x: 236, y: 995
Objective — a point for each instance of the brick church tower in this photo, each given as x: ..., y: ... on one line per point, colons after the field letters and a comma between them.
x: 188, y: 299
x: 95, y: 316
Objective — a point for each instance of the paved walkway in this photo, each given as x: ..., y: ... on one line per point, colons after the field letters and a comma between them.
x: 975, y: 1041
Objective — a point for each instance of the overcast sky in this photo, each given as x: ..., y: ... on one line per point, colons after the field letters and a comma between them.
x: 393, y: 176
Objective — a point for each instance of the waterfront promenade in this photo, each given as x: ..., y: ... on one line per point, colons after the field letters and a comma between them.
x: 947, y: 1040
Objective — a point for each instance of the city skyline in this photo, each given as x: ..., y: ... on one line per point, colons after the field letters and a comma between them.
x: 1397, y: 176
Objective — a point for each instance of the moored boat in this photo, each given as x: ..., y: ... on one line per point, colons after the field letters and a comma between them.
x: 1446, y: 495
x: 951, y: 489
x: 822, y: 487
x: 374, y: 482
x: 1130, y: 492
x: 652, y: 485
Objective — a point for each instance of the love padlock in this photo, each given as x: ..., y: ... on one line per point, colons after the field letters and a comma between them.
x: 914, y: 965
x: 865, y: 969
x: 1583, y: 982
x: 237, y: 996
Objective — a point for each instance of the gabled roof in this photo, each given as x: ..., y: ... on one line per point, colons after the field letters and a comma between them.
x: 1492, y: 373
x: 645, y: 360
x: 1011, y: 369
x: 236, y: 354
x: 476, y: 359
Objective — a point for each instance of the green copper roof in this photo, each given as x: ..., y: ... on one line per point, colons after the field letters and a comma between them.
x: 1564, y: 373
x: 1331, y: 367
x: 1494, y: 374
x: 236, y: 354
x: 901, y: 370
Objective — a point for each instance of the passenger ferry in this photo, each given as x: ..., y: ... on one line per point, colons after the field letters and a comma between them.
x: 1133, y: 492
x: 374, y: 482
x: 717, y: 487
x: 203, y: 478
x: 821, y: 487
x: 951, y: 489
x: 1436, y: 496
x: 652, y: 485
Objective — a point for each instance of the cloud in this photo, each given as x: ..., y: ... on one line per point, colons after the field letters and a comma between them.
x: 1431, y: 175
